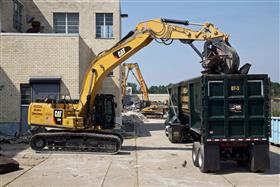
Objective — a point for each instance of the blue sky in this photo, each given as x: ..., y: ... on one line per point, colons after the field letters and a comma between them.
x: 253, y: 27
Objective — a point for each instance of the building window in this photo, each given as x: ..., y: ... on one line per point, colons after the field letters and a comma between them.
x: 25, y: 94
x: 66, y: 22
x: 17, y: 15
x: 104, y: 25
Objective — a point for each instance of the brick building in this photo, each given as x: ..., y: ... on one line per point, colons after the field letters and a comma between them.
x: 45, y: 49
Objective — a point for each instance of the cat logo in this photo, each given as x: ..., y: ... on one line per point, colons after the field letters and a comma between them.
x: 122, y: 51
x: 58, y: 116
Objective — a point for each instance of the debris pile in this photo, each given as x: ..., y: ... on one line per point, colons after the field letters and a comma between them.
x: 131, y: 119
x: 14, y: 140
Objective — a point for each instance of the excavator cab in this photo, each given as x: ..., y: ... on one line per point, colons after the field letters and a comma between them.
x: 104, y: 111
x: 144, y: 104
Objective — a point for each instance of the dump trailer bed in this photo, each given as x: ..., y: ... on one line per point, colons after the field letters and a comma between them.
x: 230, y: 115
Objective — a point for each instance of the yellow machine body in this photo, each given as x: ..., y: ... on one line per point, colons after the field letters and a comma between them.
x: 47, y: 115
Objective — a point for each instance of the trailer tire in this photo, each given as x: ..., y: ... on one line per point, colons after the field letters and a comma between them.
x: 201, y: 159
x: 195, y: 150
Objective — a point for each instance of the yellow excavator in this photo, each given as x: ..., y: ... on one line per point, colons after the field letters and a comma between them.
x: 129, y: 67
x: 146, y: 107
x: 86, y: 125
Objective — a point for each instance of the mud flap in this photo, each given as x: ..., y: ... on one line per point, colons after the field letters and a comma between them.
x: 260, y: 160
x: 212, y: 157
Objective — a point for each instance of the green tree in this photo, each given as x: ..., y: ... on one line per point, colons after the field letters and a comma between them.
x: 158, y: 89
x: 275, y: 93
x: 275, y: 89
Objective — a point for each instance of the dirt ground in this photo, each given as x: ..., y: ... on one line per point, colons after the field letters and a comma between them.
x: 149, y: 160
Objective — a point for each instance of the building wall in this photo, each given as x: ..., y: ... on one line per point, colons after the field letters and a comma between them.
x: 1, y: 15
x: 85, y: 57
x: 6, y: 10
x: 89, y: 46
x: 154, y: 97
x: 28, y: 55
x: 43, y: 11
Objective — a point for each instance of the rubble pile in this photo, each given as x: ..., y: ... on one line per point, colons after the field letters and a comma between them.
x: 131, y: 119
x: 14, y: 140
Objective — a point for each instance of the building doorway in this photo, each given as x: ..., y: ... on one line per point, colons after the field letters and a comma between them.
x: 37, y: 90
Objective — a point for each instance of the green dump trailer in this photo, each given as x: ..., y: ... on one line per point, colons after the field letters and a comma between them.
x: 228, y: 117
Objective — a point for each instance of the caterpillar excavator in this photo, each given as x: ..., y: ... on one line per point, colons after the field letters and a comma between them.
x: 146, y: 107
x: 86, y: 125
x: 139, y: 78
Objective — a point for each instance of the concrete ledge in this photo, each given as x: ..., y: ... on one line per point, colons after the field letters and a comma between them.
x: 38, y: 34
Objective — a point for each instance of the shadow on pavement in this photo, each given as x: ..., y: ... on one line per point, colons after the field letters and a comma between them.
x: 124, y: 152
x: 143, y: 130
x: 232, y: 167
x: 11, y: 150
x: 141, y: 148
x: 274, y: 164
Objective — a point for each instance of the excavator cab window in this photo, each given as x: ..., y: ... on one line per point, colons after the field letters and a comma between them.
x: 108, y: 107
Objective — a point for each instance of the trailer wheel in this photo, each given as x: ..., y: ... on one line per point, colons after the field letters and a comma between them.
x: 201, y: 160
x: 195, y: 149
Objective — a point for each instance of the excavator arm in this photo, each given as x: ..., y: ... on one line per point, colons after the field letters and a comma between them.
x: 139, y: 78
x: 166, y: 29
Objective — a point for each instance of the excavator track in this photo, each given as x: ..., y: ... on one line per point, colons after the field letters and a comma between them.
x: 106, y: 143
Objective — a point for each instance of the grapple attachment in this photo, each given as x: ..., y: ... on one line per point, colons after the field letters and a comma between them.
x: 219, y: 58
